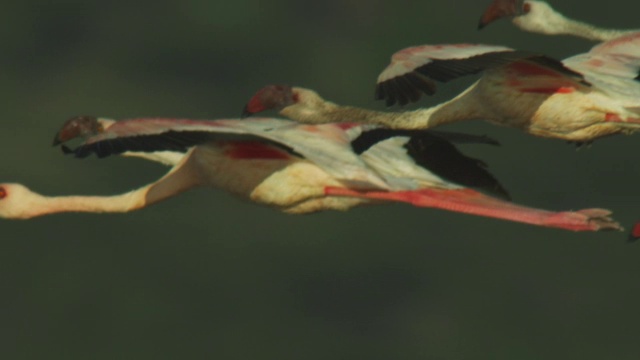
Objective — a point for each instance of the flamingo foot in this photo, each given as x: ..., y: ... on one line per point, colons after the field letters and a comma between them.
x: 584, y: 220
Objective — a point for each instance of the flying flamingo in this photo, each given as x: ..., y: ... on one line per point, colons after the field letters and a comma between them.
x: 580, y: 99
x: 294, y: 168
x: 540, y: 17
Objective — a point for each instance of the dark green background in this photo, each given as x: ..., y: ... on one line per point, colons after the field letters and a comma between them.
x: 206, y: 275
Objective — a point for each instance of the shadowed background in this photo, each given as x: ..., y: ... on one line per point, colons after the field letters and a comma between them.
x: 206, y: 275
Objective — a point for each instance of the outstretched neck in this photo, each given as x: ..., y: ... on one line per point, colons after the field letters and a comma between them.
x: 591, y: 32
x: 465, y: 106
x: 462, y: 107
x: 39, y: 205
x: 132, y: 200
x: 181, y: 178
x: 550, y: 22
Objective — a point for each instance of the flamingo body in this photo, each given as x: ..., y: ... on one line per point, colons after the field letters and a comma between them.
x: 612, y: 67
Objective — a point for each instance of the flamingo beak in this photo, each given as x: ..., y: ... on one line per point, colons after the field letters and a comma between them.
x: 497, y: 10
x: 255, y: 105
x: 76, y: 127
x: 65, y: 134
x: 246, y: 112
x: 270, y: 97
x: 56, y: 140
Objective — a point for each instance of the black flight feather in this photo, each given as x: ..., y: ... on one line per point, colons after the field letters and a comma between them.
x: 402, y: 88
x: 179, y: 141
x: 434, y: 151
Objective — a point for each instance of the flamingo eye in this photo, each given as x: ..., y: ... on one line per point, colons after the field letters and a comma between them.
x: 526, y: 7
x: 3, y: 193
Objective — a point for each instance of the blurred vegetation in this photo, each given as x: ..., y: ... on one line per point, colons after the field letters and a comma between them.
x: 205, y: 275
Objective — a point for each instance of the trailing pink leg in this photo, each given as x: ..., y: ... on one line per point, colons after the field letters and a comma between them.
x: 472, y: 202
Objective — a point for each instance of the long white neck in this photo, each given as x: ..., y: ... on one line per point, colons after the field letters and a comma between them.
x: 463, y: 107
x: 543, y: 19
x: 43, y: 205
x: 181, y: 178
x: 591, y: 32
x: 39, y: 205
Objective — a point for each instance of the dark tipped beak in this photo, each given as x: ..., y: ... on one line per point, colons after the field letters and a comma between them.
x: 486, y: 20
x: 635, y: 233
x: 497, y: 10
x: 66, y: 150
x: 83, y: 126
x: 481, y: 24
x: 245, y: 112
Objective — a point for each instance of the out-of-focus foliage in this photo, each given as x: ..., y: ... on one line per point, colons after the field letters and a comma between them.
x: 207, y: 276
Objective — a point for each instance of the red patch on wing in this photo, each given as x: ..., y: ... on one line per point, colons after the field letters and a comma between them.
x: 346, y: 125
x: 609, y: 117
x: 255, y: 150
x: 310, y: 128
x: 524, y: 68
x: 596, y: 62
x: 565, y: 90
x: 549, y: 90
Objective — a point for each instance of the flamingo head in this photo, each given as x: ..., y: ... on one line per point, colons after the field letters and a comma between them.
x: 271, y: 97
x: 17, y: 201
x: 83, y: 126
x: 529, y: 15
x: 290, y: 101
x: 499, y: 9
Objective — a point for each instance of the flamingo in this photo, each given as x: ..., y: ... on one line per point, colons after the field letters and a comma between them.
x: 580, y: 99
x: 294, y: 168
x: 540, y: 17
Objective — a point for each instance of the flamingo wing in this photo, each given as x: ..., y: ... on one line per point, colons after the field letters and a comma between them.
x: 613, y: 67
x: 87, y: 126
x: 419, y: 159
x: 179, y: 134
x: 416, y: 69
x: 328, y: 146
x: 363, y: 156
